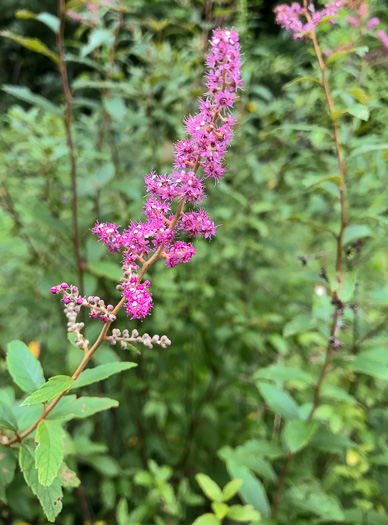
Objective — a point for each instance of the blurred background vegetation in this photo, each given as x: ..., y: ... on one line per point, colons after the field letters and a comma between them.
x: 252, y: 298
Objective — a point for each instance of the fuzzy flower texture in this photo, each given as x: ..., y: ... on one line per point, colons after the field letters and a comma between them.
x: 292, y: 18
x: 208, y: 135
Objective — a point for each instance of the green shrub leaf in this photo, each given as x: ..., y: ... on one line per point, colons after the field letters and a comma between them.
x: 92, y: 375
x: 231, y: 489
x: 243, y: 513
x: 33, y: 44
x: 72, y: 408
x: 7, y: 418
x: 280, y: 402
x: 49, y: 453
x: 297, y: 433
x: 68, y: 477
x: 252, y: 490
x: 52, y: 388
x: 207, y: 519
x: 7, y: 469
x: 24, y: 368
x: 209, y: 487
x: 50, y: 497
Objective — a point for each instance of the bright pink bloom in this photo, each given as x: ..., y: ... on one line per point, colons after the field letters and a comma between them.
x: 290, y: 17
x: 372, y: 23
x: 180, y: 252
x: 208, y: 134
x: 353, y: 21
x: 383, y: 37
x: 139, y: 299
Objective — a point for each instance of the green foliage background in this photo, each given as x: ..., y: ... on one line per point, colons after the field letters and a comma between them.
x: 249, y: 309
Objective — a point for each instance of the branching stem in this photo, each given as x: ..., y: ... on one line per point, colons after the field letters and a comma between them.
x: 100, y: 339
x: 338, y: 264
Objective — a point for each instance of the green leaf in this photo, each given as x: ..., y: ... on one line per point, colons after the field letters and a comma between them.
x: 49, y: 20
x: 207, y: 519
x: 122, y: 514
x: 106, y: 269
x: 285, y: 373
x: 106, y: 465
x: 359, y: 111
x: 209, y: 487
x: 337, y: 113
x: 297, y: 433
x: 359, y: 50
x: 97, y: 38
x: 329, y: 442
x: 300, y: 323
x: 243, y: 513
x: 359, y: 94
x: 220, y: 509
x: 312, y: 180
x: 69, y: 407
x: 52, y: 388
x: 115, y: 107
x: 252, y: 490
x: 50, y: 497
x: 7, y: 469
x: 355, y: 232
x: 231, y: 489
x: 49, y: 453
x: 68, y: 477
x: 24, y: 368
x: 301, y: 79
x: 368, y: 366
x: 72, y: 337
x: 7, y: 418
x: 368, y: 148
x: 280, y: 402
x: 92, y: 375
x: 357, y: 516
x: 33, y: 44
x: 25, y: 94
x: 89, y: 185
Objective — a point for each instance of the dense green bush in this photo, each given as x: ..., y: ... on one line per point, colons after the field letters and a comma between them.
x: 249, y: 317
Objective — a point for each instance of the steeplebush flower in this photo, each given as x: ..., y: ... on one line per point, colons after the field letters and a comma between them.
x: 291, y: 17
x: 198, y: 156
x: 383, y: 37
x: 208, y: 134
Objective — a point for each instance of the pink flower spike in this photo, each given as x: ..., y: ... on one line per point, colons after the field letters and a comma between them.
x: 383, y: 37
x: 372, y: 23
x: 353, y: 21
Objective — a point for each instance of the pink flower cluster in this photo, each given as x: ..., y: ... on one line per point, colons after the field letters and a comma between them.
x: 139, y: 298
x: 74, y: 302
x: 208, y: 134
x: 383, y: 37
x: 289, y: 17
x: 293, y: 19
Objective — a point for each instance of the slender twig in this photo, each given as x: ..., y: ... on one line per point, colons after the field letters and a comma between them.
x: 69, y: 139
x: 338, y: 264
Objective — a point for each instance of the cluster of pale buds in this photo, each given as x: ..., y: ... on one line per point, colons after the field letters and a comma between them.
x: 73, y: 302
x: 124, y: 338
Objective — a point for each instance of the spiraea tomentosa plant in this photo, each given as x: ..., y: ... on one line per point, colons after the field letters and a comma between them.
x: 34, y: 432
